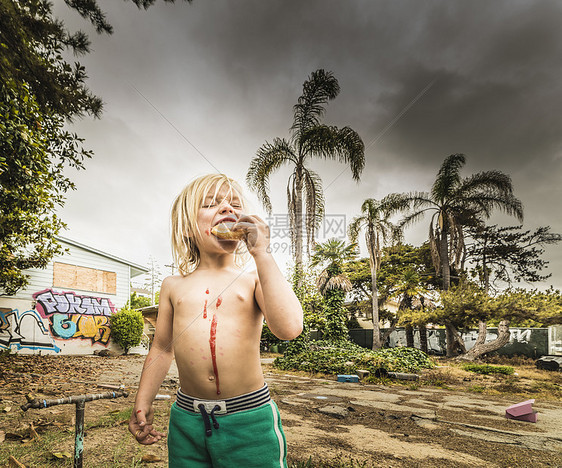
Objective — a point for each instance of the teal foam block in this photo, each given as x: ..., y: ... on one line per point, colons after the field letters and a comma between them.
x: 348, y: 378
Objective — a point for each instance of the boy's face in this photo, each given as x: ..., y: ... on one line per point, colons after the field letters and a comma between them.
x: 225, y: 206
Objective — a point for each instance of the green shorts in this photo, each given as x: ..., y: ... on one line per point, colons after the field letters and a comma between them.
x: 204, y: 437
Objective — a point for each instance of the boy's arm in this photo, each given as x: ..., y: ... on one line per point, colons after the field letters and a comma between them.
x: 274, y: 295
x: 154, y: 371
x: 276, y: 299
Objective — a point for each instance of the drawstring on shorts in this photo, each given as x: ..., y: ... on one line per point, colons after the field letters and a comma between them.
x: 209, y: 409
x: 205, y: 416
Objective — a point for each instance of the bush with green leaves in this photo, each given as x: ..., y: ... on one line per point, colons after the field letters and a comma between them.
x: 126, y: 328
x: 346, y: 358
x: 488, y: 369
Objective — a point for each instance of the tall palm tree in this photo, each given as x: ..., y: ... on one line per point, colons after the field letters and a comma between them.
x: 458, y: 202
x: 375, y: 218
x: 308, y: 138
x: 333, y: 284
x: 455, y: 203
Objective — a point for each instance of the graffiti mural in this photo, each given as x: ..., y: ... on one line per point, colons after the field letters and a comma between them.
x: 72, y: 316
x: 531, y: 342
x: 24, y: 330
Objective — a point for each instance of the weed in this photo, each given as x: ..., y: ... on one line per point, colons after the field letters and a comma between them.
x: 439, y: 378
x: 517, y: 360
x: 337, y: 462
x: 488, y: 369
x: 39, y: 452
x: 476, y: 389
x: 110, y: 419
x: 346, y: 357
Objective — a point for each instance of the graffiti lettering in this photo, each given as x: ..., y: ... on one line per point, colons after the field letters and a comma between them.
x: 72, y: 316
x: 50, y: 302
x: 24, y: 330
x: 522, y: 340
x: 67, y: 326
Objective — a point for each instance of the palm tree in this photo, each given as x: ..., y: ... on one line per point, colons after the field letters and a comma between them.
x: 378, y: 231
x: 458, y: 202
x: 333, y: 284
x: 308, y: 138
x: 408, y: 287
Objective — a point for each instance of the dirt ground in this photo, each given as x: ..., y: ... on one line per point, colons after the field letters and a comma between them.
x: 449, y: 418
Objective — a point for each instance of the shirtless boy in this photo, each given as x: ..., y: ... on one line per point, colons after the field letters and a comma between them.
x: 210, y: 318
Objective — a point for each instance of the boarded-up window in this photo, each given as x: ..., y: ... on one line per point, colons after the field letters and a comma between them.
x: 85, y: 279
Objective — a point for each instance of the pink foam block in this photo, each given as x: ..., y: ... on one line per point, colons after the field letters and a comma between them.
x: 530, y: 417
x: 519, y: 409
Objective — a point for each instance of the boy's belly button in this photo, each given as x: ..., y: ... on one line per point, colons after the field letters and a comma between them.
x: 211, y: 378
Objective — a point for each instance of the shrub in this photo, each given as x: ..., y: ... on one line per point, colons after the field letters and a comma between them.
x: 488, y: 369
x: 126, y: 328
x: 346, y: 357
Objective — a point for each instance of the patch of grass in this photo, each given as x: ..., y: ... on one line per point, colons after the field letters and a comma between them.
x: 439, y: 378
x: 337, y: 462
x: 39, y: 452
x: 487, y: 369
x: 517, y: 360
x: 110, y: 419
x: 476, y: 389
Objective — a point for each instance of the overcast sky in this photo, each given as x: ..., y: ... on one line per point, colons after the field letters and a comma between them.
x: 195, y: 88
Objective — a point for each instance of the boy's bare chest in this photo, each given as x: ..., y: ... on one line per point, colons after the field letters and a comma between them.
x: 207, y: 295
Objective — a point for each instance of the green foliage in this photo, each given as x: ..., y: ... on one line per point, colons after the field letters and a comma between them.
x: 126, y: 328
x: 137, y: 302
x: 488, y: 369
x: 456, y: 203
x: 333, y: 284
x: 529, y: 307
x: 267, y: 337
x: 400, y: 261
x: 509, y: 254
x: 40, y: 92
x: 35, y: 152
x: 336, y: 319
x: 345, y: 358
x: 464, y: 305
x: 304, y: 286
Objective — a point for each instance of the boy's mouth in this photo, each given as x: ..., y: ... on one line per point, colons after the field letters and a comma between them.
x: 228, y: 219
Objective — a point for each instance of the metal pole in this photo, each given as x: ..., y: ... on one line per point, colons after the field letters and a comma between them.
x: 79, y: 436
x: 80, y: 402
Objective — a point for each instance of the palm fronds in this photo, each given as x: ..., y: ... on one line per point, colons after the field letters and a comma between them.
x: 270, y: 157
x: 320, y: 87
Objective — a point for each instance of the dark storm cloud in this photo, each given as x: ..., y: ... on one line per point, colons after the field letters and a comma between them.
x: 496, y: 89
x: 227, y: 73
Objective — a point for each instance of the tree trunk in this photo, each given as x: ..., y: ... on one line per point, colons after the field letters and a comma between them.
x: 375, y: 306
x: 298, y: 232
x: 499, y: 342
x: 444, y: 259
x: 389, y: 331
x: 454, y: 340
x: 446, y: 275
x: 409, y: 336
x: 423, y: 338
x: 482, y: 329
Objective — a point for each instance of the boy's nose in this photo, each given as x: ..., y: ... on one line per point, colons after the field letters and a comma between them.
x: 226, y: 208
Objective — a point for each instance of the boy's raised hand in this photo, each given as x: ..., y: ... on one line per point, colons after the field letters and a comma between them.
x: 140, y: 425
x: 257, y: 233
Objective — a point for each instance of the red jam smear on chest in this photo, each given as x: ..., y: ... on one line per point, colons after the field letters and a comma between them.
x: 213, y: 344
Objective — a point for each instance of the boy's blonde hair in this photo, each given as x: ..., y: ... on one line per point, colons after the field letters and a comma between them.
x: 185, y: 232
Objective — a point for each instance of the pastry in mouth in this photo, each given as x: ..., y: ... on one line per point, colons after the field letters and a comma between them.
x: 223, y: 231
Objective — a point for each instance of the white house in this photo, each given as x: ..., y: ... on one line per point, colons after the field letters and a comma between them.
x: 66, y: 306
